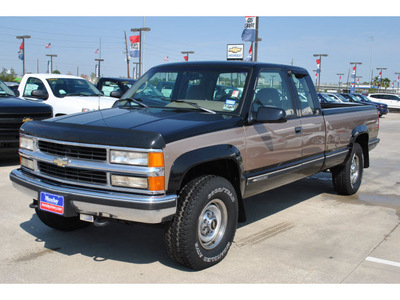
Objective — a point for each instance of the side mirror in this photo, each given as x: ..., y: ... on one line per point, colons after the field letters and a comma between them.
x: 16, y: 93
x: 270, y: 115
x: 116, y: 94
x: 40, y: 94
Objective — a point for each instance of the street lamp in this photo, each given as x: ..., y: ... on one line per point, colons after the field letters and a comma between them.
x: 340, y: 76
x: 23, y: 37
x: 51, y: 61
x: 320, y: 64
x: 398, y: 79
x: 380, y: 73
x: 99, y: 60
x: 140, y: 45
x: 187, y: 53
x: 355, y: 72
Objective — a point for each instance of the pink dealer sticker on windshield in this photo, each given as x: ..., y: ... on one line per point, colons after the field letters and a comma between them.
x: 235, y: 94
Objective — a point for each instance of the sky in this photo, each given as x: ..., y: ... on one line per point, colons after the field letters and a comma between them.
x: 290, y: 35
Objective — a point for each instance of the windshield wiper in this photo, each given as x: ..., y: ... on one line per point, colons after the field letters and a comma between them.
x: 136, y: 100
x: 194, y: 105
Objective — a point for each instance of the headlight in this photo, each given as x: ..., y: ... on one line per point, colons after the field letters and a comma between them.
x: 26, y: 143
x: 129, y: 181
x: 129, y: 158
x: 147, y: 159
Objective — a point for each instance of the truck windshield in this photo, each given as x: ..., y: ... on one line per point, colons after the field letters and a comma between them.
x: 63, y: 87
x: 5, y: 90
x: 203, y: 89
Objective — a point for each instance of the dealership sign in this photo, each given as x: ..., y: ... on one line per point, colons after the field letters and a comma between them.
x: 235, y: 52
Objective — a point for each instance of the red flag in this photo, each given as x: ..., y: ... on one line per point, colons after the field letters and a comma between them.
x: 21, y: 46
x: 135, y: 39
x: 97, y: 51
x: 251, y: 48
x: 185, y: 58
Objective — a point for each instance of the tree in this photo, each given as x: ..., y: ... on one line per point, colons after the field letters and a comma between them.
x: 8, y: 75
x: 385, y: 83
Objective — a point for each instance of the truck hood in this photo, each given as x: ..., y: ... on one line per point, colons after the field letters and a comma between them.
x: 141, y: 128
x: 16, y: 105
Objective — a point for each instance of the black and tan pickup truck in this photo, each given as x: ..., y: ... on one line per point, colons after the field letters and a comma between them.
x: 185, y: 146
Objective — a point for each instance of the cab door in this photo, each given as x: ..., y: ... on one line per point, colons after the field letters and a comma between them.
x: 312, y: 124
x: 273, y: 150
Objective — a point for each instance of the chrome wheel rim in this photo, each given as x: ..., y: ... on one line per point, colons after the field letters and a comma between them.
x: 212, y: 224
x: 354, y: 169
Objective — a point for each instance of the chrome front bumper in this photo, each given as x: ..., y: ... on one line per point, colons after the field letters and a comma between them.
x: 106, y: 204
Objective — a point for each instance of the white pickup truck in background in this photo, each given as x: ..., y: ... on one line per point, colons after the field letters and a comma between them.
x: 65, y: 93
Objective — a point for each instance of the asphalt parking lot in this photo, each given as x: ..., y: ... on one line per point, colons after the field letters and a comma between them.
x: 300, y: 233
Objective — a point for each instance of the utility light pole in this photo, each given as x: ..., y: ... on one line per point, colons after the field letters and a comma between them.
x: 51, y: 61
x: 381, y: 74
x: 355, y: 72
x: 99, y: 60
x: 398, y: 79
x: 140, y: 45
x: 340, y: 76
x: 187, y: 53
x: 23, y: 37
x: 320, y: 66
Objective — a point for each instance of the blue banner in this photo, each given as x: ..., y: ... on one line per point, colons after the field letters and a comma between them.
x: 249, y: 32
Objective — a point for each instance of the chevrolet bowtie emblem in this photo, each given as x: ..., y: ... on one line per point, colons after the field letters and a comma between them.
x: 61, y: 162
x: 26, y: 120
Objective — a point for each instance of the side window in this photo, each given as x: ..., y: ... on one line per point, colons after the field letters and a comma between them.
x: 109, y: 87
x: 33, y: 84
x: 272, y: 91
x: 305, y: 97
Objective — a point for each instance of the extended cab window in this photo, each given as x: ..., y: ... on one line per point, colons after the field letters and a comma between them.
x: 33, y: 84
x: 272, y: 91
x: 303, y: 90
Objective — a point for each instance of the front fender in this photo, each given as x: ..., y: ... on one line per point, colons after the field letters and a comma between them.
x: 189, y: 160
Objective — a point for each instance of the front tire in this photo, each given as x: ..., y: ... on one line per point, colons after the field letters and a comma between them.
x: 347, y: 177
x: 205, y: 223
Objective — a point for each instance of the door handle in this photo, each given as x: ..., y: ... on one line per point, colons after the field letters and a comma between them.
x: 298, y: 130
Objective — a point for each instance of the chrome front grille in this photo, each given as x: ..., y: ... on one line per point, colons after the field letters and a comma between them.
x: 73, y: 174
x: 78, y: 152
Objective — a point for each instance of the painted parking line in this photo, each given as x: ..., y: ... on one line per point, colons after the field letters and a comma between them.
x: 383, y: 261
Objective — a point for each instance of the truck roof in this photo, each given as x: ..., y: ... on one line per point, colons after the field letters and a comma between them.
x: 245, y: 64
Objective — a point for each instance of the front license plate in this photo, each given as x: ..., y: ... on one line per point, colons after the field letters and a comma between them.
x: 52, y: 203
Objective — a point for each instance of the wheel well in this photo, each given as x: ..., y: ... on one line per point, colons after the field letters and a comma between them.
x: 362, y: 139
x: 225, y: 168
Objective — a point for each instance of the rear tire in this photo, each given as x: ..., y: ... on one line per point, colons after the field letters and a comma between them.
x: 59, y: 222
x: 347, y: 177
x: 205, y: 223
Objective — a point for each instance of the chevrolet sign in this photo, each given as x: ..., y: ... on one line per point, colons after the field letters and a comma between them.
x: 235, y: 52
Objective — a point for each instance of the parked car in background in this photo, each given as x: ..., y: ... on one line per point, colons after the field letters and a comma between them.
x: 382, y: 107
x: 65, y: 93
x: 392, y: 100
x: 13, y: 113
x: 329, y: 98
x: 358, y: 98
x: 107, y: 85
